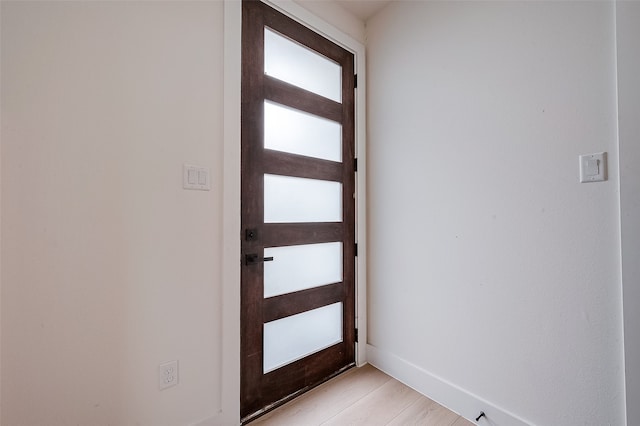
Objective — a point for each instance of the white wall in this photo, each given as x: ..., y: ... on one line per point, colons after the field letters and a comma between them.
x: 628, y: 41
x: 494, y: 278
x: 110, y: 267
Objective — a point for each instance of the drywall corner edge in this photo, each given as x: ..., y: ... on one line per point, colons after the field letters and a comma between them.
x: 443, y: 392
x: 628, y: 66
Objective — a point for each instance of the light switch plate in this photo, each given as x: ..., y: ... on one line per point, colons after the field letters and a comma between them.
x: 196, y: 177
x: 593, y: 167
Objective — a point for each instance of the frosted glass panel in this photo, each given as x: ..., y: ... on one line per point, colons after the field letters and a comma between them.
x: 300, y: 267
x: 291, y: 199
x: 289, y: 61
x: 289, y: 130
x: 292, y: 338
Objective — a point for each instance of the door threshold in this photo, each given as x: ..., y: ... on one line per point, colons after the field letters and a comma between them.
x: 251, y: 417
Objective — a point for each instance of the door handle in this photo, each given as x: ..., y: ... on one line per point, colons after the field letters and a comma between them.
x: 253, y: 258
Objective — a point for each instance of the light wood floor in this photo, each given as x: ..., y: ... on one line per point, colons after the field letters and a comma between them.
x: 362, y: 396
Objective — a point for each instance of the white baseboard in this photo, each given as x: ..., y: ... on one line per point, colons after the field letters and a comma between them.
x: 444, y: 393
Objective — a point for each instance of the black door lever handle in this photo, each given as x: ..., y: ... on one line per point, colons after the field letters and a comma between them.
x: 253, y: 258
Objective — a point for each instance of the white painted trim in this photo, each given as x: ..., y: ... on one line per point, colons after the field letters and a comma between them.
x: 458, y: 400
x: 619, y: 166
x: 230, y: 369
x: 361, y: 211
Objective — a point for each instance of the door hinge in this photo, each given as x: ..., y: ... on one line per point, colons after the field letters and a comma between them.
x: 355, y: 164
x: 355, y: 250
x: 355, y: 81
x: 356, y: 336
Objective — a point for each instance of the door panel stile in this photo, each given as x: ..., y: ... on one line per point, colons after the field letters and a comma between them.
x: 348, y: 194
x: 252, y: 205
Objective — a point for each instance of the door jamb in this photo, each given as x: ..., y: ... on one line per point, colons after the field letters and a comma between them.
x: 231, y: 211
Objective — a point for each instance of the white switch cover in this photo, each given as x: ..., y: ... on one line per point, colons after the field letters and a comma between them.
x: 593, y: 167
x: 196, y: 177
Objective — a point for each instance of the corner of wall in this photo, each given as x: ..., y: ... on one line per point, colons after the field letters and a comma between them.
x: 628, y: 90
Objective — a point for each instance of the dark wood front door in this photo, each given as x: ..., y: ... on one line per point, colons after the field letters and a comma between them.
x: 298, y: 209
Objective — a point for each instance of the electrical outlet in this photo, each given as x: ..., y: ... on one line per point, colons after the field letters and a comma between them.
x: 167, y: 374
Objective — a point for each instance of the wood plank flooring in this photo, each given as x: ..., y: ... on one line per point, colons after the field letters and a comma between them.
x: 362, y: 397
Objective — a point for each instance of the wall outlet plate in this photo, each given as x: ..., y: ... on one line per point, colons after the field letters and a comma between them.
x: 593, y: 167
x: 167, y: 374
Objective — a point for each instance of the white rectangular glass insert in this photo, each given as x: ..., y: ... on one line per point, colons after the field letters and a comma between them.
x: 289, y: 61
x: 301, y: 267
x: 290, y: 130
x: 289, y: 199
x: 292, y: 338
